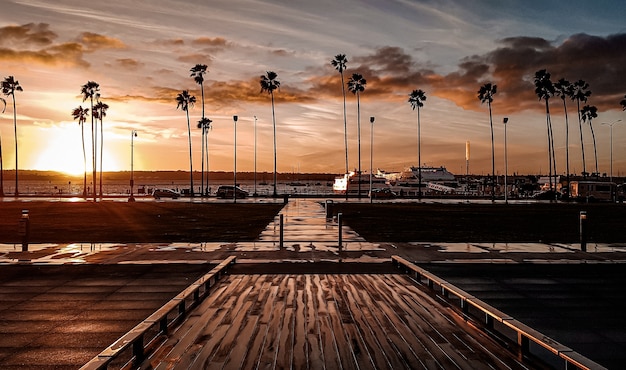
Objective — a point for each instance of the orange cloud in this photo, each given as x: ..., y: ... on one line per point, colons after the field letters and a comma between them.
x: 28, y: 34
x: 94, y: 41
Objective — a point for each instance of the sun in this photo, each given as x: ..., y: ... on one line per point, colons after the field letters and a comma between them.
x: 62, y: 151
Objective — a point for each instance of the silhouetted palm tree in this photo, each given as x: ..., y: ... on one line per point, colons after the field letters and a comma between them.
x: 588, y: 113
x: 339, y: 63
x: 204, y: 124
x: 197, y: 72
x: 580, y: 93
x: 485, y: 94
x: 4, y: 102
x: 99, y: 112
x: 563, y: 88
x: 544, y: 88
x: 90, y: 91
x: 416, y: 99
x: 184, y: 102
x: 623, y: 103
x: 356, y: 85
x: 269, y: 83
x: 81, y: 115
x: 9, y: 86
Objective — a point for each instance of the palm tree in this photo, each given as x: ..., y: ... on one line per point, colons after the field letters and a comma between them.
x: 544, y: 88
x: 1, y: 166
x: 185, y: 101
x: 563, y: 88
x: 356, y: 85
x: 269, y: 83
x: 205, y: 125
x: 416, y: 99
x: 197, y: 72
x: 9, y: 86
x: 623, y: 103
x: 99, y: 112
x: 580, y: 93
x: 90, y: 91
x: 485, y: 94
x: 588, y: 113
x: 339, y: 63
x: 81, y: 115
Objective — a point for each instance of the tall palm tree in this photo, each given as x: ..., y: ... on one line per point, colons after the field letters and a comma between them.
x: 623, y: 103
x: 356, y: 85
x: 185, y: 101
x: 4, y: 102
x: 339, y: 63
x: 580, y: 93
x: 204, y: 124
x: 9, y: 86
x: 563, y: 88
x: 588, y: 113
x: 90, y: 91
x: 81, y: 115
x: 197, y: 72
x: 544, y: 88
x: 99, y: 112
x: 485, y: 94
x: 416, y: 99
x: 269, y: 83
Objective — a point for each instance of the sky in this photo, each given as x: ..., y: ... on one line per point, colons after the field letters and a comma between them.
x: 141, y: 53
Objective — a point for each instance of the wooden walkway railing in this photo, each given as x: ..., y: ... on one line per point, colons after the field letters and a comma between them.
x: 498, y: 322
x: 131, y: 349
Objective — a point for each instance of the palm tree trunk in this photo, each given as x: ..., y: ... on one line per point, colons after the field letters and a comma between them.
x: 1, y: 171
x: 553, y: 151
x: 582, y: 143
x: 82, y: 133
x: 190, y: 158
x: 566, y: 147
x: 274, y: 124
x: 549, y: 129
x: 345, y: 123
x: 101, y: 152
x: 206, y: 139
x: 358, y: 134
x: 15, y: 133
x: 493, y: 159
x: 595, y: 152
x: 202, y: 162
x: 419, y: 155
x: 94, y: 150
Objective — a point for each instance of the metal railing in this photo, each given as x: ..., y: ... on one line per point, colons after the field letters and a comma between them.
x: 133, y: 347
x: 529, y: 340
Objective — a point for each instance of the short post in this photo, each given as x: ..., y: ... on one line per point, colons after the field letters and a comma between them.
x: 282, y: 232
x: 24, y: 229
x: 583, y: 230
x: 329, y: 209
x: 340, y: 226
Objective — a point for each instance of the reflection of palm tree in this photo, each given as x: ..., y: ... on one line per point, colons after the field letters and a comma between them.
x: 340, y: 64
x: 81, y: 115
x: 485, y: 94
x: 9, y: 87
x: 544, y: 88
x: 356, y: 85
x: 185, y: 101
x: 580, y: 93
x: 416, y: 99
x: 99, y: 112
x: 1, y: 166
x: 269, y: 83
x: 90, y: 91
x: 588, y: 113
x: 563, y: 88
x: 205, y: 125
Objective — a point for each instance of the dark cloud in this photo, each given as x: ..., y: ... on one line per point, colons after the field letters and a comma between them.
x: 129, y: 63
x: 218, y: 42
x: 27, y: 35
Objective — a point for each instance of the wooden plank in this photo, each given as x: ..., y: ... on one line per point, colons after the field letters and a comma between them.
x: 284, y: 353
x: 328, y: 342
x: 272, y: 338
x: 314, y: 354
x: 344, y: 347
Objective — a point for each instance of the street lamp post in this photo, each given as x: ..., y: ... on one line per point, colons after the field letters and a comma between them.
x: 255, y: 193
x: 235, y: 170
x: 371, y: 155
x: 133, y: 135
x: 611, y: 126
x: 505, y: 120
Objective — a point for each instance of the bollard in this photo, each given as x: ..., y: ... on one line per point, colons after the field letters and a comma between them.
x: 340, y: 223
x: 329, y: 209
x: 583, y: 231
x: 282, y: 232
x: 24, y: 229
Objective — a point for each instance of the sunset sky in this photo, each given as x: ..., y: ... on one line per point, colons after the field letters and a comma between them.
x: 140, y: 52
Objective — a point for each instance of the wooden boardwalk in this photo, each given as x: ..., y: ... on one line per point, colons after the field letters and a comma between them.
x: 316, y: 321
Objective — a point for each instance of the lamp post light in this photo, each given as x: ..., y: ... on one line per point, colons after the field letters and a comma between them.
x: 611, y: 126
x: 235, y: 118
x: 505, y: 120
x: 133, y: 135
x: 371, y: 155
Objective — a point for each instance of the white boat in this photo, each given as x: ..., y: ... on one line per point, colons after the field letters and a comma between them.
x: 410, y: 177
x: 351, y: 182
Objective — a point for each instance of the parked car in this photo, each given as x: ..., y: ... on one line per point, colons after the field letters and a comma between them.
x: 229, y: 191
x: 382, y: 193
x: 165, y: 193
